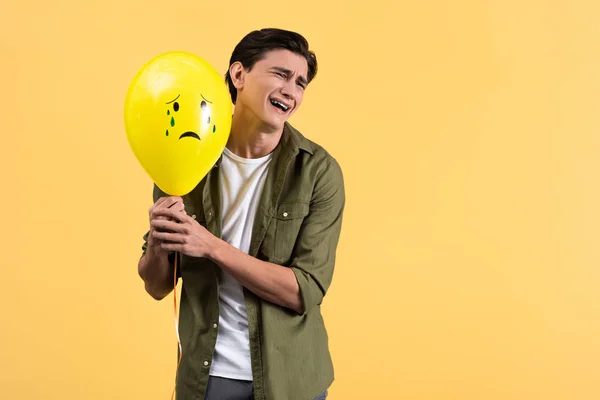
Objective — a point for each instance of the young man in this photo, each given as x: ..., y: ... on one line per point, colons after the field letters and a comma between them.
x: 256, y: 241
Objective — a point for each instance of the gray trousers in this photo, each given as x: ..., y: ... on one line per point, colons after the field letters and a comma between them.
x: 232, y: 389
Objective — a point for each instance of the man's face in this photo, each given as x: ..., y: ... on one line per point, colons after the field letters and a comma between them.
x: 274, y: 87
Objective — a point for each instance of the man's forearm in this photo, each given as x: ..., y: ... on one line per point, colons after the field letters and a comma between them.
x: 269, y: 281
x: 157, y: 273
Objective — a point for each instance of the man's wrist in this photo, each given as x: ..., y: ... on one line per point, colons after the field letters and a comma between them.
x: 216, y: 249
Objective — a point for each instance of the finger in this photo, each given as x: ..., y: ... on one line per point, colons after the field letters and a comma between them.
x: 169, y: 237
x: 155, y: 205
x: 167, y: 201
x: 171, y: 201
x: 167, y: 225
x: 172, y: 214
x: 159, y: 203
x: 157, y: 217
x: 178, y: 207
x: 167, y: 204
x: 177, y: 247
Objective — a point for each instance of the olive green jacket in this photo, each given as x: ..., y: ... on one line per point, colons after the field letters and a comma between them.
x: 297, y: 225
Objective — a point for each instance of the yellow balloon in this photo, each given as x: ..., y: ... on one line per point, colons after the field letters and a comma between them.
x: 178, y: 114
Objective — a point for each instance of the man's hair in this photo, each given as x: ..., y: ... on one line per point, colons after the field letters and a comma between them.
x: 253, y: 47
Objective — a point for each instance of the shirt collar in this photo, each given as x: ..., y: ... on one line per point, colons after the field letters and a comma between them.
x: 291, y: 139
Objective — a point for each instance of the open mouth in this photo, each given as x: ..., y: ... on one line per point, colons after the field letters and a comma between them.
x: 189, y: 134
x: 279, y: 105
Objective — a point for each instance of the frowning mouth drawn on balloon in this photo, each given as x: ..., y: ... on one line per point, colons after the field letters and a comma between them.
x: 189, y: 134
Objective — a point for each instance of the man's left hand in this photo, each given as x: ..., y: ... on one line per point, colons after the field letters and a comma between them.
x: 183, y: 234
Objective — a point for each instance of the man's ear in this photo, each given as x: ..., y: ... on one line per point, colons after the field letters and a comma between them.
x: 237, y: 74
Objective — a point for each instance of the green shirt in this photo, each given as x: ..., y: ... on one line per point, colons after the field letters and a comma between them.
x: 297, y: 225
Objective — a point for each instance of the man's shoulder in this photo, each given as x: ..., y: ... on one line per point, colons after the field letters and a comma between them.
x: 318, y: 153
x: 319, y: 170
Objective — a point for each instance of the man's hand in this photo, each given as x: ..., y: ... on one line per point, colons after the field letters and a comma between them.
x: 154, y: 267
x: 174, y: 204
x: 178, y: 232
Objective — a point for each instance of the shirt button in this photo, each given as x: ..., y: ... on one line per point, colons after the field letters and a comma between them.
x: 205, y: 363
x: 285, y: 214
x: 215, y: 326
x: 194, y: 216
x: 209, y: 214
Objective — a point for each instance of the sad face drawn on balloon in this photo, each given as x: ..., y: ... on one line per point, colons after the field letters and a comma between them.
x: 178, y: 115
x: 205, y: 112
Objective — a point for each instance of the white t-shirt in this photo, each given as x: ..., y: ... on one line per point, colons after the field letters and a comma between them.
x: 241, y: 181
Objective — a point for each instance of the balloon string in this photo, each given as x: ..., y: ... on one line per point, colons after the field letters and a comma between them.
x: 176, y: 322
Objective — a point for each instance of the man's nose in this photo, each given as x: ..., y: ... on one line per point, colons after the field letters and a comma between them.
x: 289, y: 90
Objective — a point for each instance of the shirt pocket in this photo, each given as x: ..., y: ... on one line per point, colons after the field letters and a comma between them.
x: 288, y: 221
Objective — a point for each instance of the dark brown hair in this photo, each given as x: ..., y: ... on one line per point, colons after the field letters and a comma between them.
x: 253, y: 47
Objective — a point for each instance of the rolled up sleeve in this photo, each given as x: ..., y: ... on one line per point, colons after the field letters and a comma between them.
x: 314, y: 256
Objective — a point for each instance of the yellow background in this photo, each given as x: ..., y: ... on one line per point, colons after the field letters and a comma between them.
x: 468, y: 132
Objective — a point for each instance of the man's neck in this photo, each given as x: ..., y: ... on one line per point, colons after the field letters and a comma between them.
x: 249, y: 137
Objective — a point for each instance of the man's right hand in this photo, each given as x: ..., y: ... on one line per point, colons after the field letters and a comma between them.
x: 154, y: 267
x: 173, y: 202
